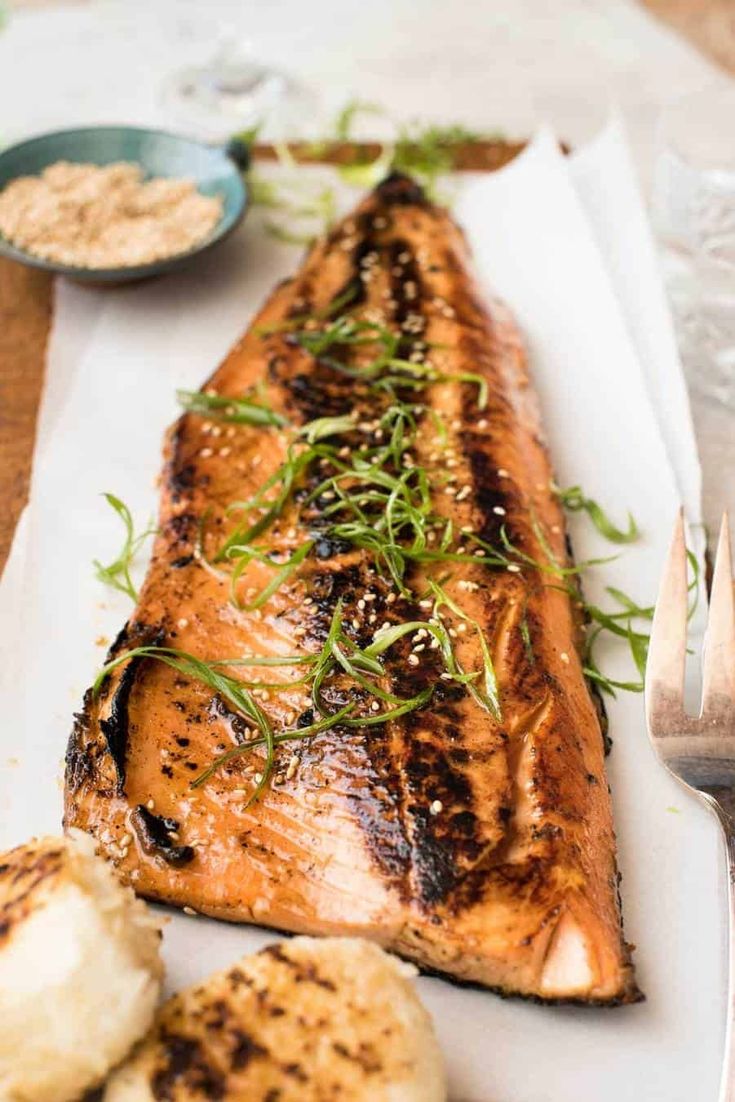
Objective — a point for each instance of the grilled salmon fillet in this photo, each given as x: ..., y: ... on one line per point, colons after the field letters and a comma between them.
x: 471, y: 832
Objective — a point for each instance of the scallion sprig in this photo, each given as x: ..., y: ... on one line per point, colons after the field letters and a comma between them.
x: 575, y: 500
x: 488, y: 696
x: 117, y: 573
x: 243, y: 555
x: 239, y: 411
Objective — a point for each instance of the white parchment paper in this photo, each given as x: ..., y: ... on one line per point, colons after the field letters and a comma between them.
x: 561, y: 244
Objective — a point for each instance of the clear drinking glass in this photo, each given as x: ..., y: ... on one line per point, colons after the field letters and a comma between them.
x: 233, y: 90
x: 693, y: 207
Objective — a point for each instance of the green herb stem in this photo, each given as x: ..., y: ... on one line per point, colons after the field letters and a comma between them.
x: 117, y: 573
x: 240, y: 411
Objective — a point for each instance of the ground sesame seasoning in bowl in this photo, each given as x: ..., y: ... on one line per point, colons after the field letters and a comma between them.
x: 113, y: 204
x: 92, y: 216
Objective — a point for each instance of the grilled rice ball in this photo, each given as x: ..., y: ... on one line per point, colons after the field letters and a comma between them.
x: 80, y: 969
x: 306, y: 1020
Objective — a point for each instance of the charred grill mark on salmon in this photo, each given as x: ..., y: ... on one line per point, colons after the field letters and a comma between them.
x: 156, y: 835
x: 79, y: 757
x: 469, y: 840
x: 114, y: 727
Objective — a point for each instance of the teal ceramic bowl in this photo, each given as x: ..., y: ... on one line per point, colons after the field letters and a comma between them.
x: 214, y: 170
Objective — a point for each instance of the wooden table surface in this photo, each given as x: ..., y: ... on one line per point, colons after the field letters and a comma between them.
x: 26, y: 295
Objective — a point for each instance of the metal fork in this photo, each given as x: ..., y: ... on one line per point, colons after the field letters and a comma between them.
x: 699, y: 750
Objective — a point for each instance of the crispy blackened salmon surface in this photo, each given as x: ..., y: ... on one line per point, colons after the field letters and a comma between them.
x: 472, y: 831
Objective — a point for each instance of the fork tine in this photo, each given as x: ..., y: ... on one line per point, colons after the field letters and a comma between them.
x: 665, y: 668
x: 718, y: 675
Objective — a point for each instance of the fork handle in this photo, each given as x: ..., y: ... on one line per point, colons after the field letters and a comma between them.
x: 727, y: 1082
